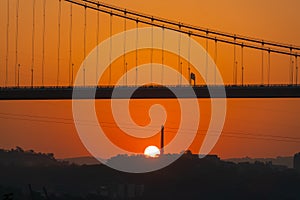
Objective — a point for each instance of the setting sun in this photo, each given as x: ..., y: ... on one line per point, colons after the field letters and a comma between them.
x: 152, y: 152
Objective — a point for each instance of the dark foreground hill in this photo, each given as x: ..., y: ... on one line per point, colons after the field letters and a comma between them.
x: 187, y: 178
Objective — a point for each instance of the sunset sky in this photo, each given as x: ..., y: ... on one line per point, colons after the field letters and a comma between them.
x: 253, y: 127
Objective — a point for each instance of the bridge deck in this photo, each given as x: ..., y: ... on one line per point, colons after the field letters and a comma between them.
x: 48, y: 93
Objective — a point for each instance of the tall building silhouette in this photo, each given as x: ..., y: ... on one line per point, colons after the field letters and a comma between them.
x: 297, y: 161
x: 162, y: 140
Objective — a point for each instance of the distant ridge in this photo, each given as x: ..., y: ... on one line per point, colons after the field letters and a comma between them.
x: 280, y: 160
x: 86, y: 160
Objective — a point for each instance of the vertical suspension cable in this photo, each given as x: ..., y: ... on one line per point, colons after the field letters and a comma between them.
x: 216, y: 59
x: 33, y: 33
x: 269, y: 66
x: 179, y: 59
x: 262, y: 64
x: 151, y: 56
x: 242, y: 62
x: 189, y: 59
x: 84, y: 45
x: 97, y: 39
x: 291, y: 68
x: 18, y: 83
x: 124, y: 51
x: 43, y: 45
x: 234, y: 73
x: 110, y: 48
x: 7, y: 44
x: 136, y: 52
x: 17, y: 38
x: 72, y: 74
x: 206, y: 59
x: 58, y: 42
x: 70, y: 47
x: 180, y: 73
x: 162, y: 55
x: 296, y: 62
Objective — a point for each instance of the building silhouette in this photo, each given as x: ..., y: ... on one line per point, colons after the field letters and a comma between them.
x: 297, y: 161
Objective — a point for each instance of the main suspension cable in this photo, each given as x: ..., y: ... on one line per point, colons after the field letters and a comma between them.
x: 197, y: 31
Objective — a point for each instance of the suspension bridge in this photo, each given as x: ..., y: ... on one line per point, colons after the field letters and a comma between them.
x: 46, y: 43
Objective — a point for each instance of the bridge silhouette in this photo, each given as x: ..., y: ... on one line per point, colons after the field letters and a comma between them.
x: 36, y: 78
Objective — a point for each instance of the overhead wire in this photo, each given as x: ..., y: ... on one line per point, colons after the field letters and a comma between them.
x: 235, y: 134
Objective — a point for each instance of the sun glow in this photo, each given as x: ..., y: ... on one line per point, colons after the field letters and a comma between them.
x: 152, y: 152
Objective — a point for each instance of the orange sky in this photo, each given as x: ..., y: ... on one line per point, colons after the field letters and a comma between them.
x: 272, y: 20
